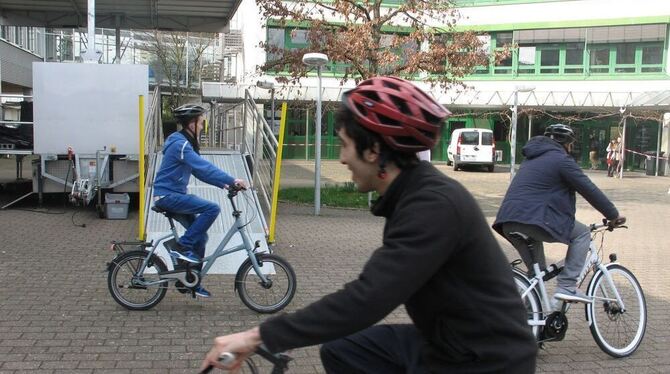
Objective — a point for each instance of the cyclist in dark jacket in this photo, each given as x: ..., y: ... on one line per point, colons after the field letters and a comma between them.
x: 540, y: 202
x: 438, y: 258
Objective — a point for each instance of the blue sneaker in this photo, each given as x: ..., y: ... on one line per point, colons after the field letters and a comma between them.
x: 188, y: 256
x: 202, y: 292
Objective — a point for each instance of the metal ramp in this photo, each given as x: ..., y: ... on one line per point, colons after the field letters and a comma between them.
x: 233, y: 162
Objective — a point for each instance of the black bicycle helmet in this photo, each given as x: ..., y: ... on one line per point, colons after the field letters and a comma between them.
x: 185, y: 113
x: 560, y: 133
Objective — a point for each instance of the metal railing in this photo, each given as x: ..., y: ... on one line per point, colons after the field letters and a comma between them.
x: 241, y: 126
x: 261, y: 144
x: 153, y: 138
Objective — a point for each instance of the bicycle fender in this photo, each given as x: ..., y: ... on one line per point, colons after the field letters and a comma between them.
x: 115, y: 260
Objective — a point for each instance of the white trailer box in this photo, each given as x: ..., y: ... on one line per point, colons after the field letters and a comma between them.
x: 88, y: 107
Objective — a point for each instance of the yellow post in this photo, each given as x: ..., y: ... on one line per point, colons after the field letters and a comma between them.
x: 140, y: 231
x: 275, y: 184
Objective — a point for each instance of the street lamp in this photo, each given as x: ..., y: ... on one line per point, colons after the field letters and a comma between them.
x: 317, y: 60
x: 269, y: 86
x: 512, y: 145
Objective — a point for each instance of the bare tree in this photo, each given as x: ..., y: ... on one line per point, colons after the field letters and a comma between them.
x: 178, y: 61
x: 416, y: 39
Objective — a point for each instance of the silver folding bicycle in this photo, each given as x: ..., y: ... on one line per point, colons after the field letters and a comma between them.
x: 138, y: 279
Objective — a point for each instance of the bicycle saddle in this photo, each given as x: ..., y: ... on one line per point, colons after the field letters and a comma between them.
x: 167, y: 213
x: 521, y: 236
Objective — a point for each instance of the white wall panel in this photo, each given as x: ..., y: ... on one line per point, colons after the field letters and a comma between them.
x: 87, y: 107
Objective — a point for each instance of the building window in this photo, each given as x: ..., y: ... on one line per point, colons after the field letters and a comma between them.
x: 634, y: 49
x: 625, y: 58
x: 503, y: 39
x: 527, y: 61
x: 652, y: 55
x: 600, y: 60
x: 275, y: 39
x: 549, y: 60
x: 574, y: 58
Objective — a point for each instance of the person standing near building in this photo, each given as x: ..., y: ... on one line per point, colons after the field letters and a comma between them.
x: 618, y: 155
x: 438, y: 258
x: 611, y: 158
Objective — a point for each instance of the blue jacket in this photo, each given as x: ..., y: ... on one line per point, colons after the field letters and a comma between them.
x: 179, y: 162
x: 543, y: 191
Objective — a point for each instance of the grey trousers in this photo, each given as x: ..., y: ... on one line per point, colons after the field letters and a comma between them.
x: 580, y: 239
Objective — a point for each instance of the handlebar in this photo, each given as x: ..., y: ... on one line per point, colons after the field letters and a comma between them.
x: 279, y: 360
x: 609, y: 225
x: 234, y: 189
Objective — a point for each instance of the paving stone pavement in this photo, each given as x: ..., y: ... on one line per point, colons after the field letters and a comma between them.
x: 56, y: 314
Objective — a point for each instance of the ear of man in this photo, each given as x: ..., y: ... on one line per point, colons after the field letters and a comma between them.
x: 372, y: 154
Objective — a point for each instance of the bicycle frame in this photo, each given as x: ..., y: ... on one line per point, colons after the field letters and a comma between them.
x: 220, y: 251
x: 593, y: 262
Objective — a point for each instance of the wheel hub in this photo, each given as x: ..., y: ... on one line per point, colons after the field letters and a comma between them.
x: 555, y: 327
x: 267, y: 285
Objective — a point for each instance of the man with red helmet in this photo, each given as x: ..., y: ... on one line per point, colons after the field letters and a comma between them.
x: 438, y: 258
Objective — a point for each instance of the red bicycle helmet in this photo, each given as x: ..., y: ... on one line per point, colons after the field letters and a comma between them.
x: 406, y: 117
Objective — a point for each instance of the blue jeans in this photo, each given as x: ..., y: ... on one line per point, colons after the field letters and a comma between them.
x: 195, y: 214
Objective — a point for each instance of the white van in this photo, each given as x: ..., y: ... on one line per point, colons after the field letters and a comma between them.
x: 472, y: 146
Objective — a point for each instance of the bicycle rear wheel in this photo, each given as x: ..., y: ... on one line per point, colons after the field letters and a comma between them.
x: 123, y: 284
x: 270, y: 297
x: 531, y: 302
x: 617, y: 332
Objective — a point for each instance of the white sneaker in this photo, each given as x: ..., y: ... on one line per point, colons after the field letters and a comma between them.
x: 572, y: 296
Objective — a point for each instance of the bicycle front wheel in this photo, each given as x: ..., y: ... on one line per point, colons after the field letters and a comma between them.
x: 125, y: 284
x: 531, y: 302
x: 266, y: 297
x: 617, y: 329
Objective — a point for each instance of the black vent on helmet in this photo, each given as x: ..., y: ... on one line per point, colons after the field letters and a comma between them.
x: 431, y: 118
x: 401, y: 105
x: 388, y: 121
x: 392, y: 85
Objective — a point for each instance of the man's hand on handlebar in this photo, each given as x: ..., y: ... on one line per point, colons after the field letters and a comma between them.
x: 243, y: 344
x: 617, y: 222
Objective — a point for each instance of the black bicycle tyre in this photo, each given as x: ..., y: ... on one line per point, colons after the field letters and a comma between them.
x: 247, y: 269
x: 596, y: 324
x: 113, y: 285
x: 251, y: 365
x: 531, y: 303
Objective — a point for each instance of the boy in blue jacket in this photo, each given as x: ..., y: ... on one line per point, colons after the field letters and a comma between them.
x: 181, y: 158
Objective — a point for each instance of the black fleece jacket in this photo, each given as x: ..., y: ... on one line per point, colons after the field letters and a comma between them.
x: 440, y: 260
